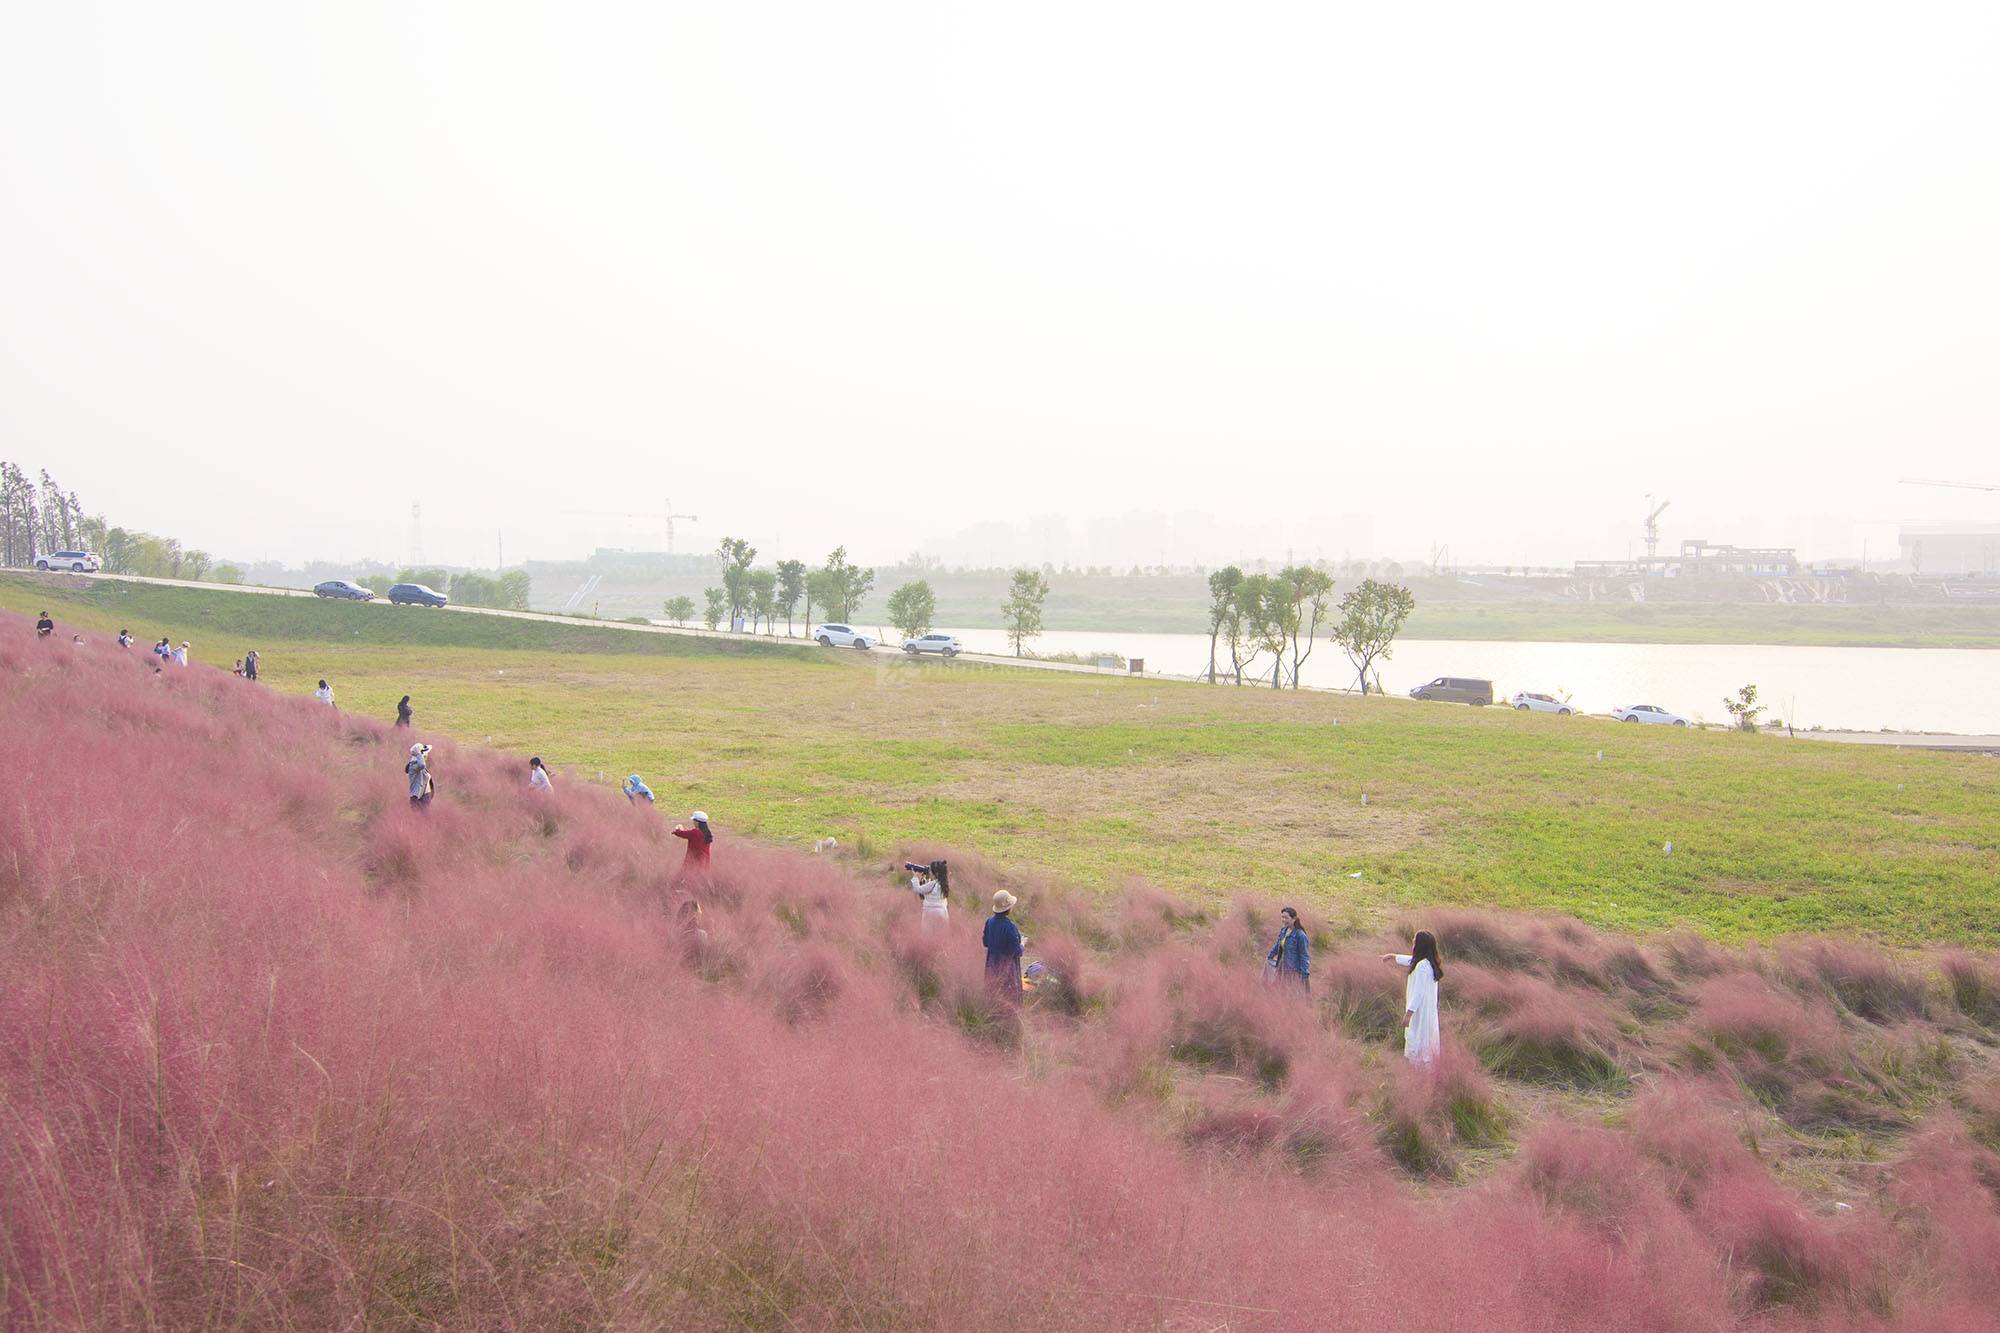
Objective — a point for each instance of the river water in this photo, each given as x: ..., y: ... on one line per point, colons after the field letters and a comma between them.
x: 1862, y: 689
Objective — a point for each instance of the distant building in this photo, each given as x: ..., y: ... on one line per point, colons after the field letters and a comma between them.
x: 1701, y: 560
x: 1937, y: 548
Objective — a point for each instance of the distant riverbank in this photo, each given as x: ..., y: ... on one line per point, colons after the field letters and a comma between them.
x: 1447, y: 609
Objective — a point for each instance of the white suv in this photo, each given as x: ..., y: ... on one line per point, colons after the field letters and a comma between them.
x: 842, y: 636
x: 933, y: 643
x: 77, y: 562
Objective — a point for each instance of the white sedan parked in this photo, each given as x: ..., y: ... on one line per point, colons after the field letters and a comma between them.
x: 842, y: 636
x: 1540, y: 703
x: 1653, y: 713
x: 946, y: 644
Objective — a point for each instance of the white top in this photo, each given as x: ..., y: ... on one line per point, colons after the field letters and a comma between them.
x: 324, y: 694
x: 932, y: 893
x: 1420, y: 1000
x: 181, y: 656
x: 538, y: 778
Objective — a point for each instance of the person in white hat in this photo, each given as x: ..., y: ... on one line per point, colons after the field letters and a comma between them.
x: 1003, y: 942
x: 418, y: 770
x: 699, y: 838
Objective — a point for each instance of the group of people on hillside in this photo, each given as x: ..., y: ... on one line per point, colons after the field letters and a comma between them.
x: 1289, y: 962
x: 163, y: 652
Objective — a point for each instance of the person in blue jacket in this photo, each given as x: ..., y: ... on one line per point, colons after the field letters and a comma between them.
x: 1002, y: 939
x: 637, y: 791
x: 1292, y: 954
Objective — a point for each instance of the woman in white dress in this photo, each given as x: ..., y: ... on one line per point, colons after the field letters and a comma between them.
x: 932, y: 884
x: 1420, y: 997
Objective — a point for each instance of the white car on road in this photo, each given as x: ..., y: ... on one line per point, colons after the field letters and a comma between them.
x: 944, y: 644
x: 1540, y: 703
x: 1652, y: 713
x: 77, y: 562
x: 842, y: 636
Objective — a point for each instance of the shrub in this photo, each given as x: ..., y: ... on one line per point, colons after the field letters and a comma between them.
x: 1865, y: 980
x: 1974, y: 986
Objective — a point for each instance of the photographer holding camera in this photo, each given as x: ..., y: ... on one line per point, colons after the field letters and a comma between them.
x: 932, y: 884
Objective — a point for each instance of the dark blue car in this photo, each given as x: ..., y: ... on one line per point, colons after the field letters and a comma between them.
x: 416, y: 594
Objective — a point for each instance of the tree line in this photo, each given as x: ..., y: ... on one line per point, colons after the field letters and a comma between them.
x: 759, y: 596
x: 1281, y: 615
x: 37, y: 517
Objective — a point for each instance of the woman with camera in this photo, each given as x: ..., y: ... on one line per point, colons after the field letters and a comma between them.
x: 932, y: 885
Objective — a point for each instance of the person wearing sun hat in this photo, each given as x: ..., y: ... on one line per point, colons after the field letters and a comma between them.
x: 1003, y: 942
x: 699, y: 838
x: 418, y: 770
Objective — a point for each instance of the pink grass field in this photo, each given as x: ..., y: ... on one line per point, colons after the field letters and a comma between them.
x: 277, y: 1051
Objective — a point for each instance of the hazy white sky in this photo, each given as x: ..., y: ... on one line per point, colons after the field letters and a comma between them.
x: 875, y: 272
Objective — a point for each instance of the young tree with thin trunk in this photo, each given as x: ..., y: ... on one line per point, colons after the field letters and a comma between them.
x: 1222, y: 585
x: 1023, y: 609
x: 736, y: 555
x: 1308, y: 592
x: 791, y: 587
x: 822, y: 586
x: 717, y: 608
x: 1371, y: 616
x: 848, y: 584
x: 912, y: 607
x: 680, y: 610
x: 764, y: 597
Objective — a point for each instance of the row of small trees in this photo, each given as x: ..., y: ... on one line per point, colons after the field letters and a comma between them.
x: 1281, y: 615
x: 39, y: 517
x: 760, y: 596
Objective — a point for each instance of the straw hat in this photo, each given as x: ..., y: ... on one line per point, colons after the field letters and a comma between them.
x: 1004, y: 901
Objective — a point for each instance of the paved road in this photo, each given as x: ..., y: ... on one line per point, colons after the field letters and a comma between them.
x: 803, y: 645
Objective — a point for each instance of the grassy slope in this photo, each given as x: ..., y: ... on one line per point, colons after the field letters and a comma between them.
x: 1204, y: 791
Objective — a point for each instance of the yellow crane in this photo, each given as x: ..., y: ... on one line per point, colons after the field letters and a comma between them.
x: 1653, y: 524
x: 668, y: 518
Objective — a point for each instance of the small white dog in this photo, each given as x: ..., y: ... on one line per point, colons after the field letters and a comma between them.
x: 825, y: 845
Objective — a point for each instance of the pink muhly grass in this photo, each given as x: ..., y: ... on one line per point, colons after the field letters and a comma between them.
x: 277, y: 1050
x: 1974, y: 986
x: 1863, y: 979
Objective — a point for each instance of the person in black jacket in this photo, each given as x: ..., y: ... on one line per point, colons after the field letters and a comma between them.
x: 403, y: 712
x: 44, y: 627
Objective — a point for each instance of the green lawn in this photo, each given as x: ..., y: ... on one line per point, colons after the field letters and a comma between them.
x: 1205, y: 791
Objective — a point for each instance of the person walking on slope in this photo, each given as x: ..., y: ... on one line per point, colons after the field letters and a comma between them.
x: 164, y: 649
x: 1291, y: 956
x: 1004, y: 945
x: 418, y: 770
x: 250, y: 665
x: 932, y: 885
x: 637, y: 791
x: 403, y: 712
x: 699, y: 839
x: 44, y: 627
x: 124, y: 638
x: 1421, y: 1040
x: 324, y: 694
x: 181, y: 654
x: 538, y: 776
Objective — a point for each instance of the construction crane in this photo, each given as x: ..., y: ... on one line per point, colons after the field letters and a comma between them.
x: 1955, y: 485
x: 668, y: 518
x: 1653, y: 524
